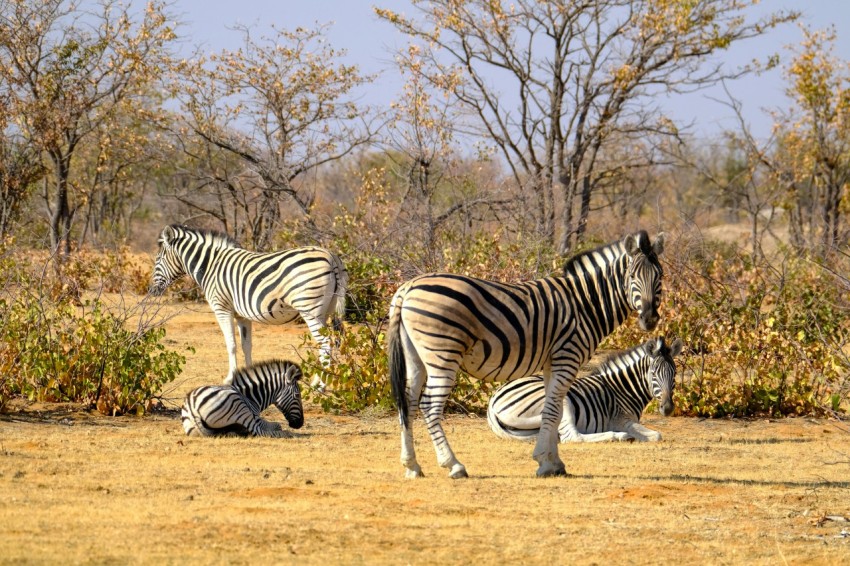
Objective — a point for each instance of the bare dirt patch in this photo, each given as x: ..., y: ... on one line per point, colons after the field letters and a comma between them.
x: 77, y: 487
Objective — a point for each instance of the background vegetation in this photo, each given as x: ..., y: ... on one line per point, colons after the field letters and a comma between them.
x: 108, y: 135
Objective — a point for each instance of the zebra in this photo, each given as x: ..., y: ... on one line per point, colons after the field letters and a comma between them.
x: 605, y: 404
x: 440, y: 323
x: 213, y: 410
x: 245, y: 286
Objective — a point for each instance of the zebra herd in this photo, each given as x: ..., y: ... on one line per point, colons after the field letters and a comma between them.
x: 535, y: 335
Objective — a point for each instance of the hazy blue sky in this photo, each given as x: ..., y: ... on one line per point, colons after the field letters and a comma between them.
x: 370, y: 42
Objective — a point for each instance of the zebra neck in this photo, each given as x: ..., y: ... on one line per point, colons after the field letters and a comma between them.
x: 256, y: 394
x: 197, y: 259
x: 628, y: 374
x: 598, y: 285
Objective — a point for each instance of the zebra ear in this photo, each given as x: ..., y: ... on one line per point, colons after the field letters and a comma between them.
x: 632, y: 244
x: 168, y: 234
x: 653, y: 346
x: 676, y: 347
x: 658, y: 244
x: 294, y: 373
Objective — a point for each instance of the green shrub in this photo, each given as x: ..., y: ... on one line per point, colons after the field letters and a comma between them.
x: 357, y: 378
x: 56, y: 347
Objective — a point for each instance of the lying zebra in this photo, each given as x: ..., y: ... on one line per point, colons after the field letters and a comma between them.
x: 603, y: 405
x: 212, y: 410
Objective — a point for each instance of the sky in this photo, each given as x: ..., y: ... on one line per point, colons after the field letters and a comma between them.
x: 370, y: 43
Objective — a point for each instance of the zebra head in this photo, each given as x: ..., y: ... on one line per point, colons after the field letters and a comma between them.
x: 168, y: 266
x: 662, y: 371
x: 643, y: 281
x: 288, y: 399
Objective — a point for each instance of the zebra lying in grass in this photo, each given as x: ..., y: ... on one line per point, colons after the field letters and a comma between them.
x: 212, y: 410
x: 603, y: 405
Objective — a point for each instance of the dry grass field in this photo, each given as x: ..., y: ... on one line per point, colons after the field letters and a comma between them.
x: 76, y: 487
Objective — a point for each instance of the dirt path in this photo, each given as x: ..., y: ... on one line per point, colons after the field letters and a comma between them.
x: 81, y: 488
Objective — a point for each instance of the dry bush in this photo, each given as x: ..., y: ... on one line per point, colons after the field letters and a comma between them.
x: 762, y: 338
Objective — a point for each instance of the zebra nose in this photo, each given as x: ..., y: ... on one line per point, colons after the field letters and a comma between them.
x: 648, y: 320
x: 296, y: 422
x: 666, y: 408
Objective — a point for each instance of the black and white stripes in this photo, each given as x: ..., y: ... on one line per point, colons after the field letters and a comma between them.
x: 440, y: 323
x: 212, y: 410
x: 605, y: 404
x: 269, y: 288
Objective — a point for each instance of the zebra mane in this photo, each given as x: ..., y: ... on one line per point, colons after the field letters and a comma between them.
x: 642, y: 238
x: 275, y: 365
x: 573, y: 262
x: 213, y: 236
x: 609, y: 363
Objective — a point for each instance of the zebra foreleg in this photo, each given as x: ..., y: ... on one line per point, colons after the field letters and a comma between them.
x: 268, y: 428
x: 575, y: 436
x: 641, y: 433
x: 225, y: 322
x: 568, y: 430
x: 546, y: 449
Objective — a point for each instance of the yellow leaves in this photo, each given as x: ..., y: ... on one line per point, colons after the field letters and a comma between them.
x: 624, y: 75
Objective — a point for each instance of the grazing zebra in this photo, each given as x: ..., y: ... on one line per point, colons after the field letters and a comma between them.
x: 271, y: 288
x: 212, y: 410
x: 440, y: 323
x: 603, y: 405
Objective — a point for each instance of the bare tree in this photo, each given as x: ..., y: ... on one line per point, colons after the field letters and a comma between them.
x: 554, y: 84
x: 20, y: 169
x: 65, y: 71
x: 255, y: 121
x: 437, y: 186
x: 812, y: 157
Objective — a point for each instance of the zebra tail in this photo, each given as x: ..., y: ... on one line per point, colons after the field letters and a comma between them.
x: 339, y: 297
x: 397, y: 364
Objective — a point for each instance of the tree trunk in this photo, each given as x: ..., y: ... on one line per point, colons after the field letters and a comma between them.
x: 60, y: 221
x: 565, y: 243
x: 586, y: 190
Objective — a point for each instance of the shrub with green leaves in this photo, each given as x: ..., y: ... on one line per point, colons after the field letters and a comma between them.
x: 356, y: 379
x: 55, y: 347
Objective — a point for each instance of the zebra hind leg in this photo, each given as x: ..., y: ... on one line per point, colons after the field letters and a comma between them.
x: 433, y: 402
x: 315, y: 326
x: 637, y: 431
x: 546, y: 448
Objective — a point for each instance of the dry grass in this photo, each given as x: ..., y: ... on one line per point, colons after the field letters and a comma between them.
x: 75, y: 487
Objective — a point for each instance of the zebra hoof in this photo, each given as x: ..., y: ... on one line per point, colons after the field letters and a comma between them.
x: 414, y: 473
x: 551, y: 471
x: 458, y: 472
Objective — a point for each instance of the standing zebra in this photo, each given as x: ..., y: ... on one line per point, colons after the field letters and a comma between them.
x: 272, y: 288
x: 212, y: 410
x: 440, y: 323
x: 603, y: 405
